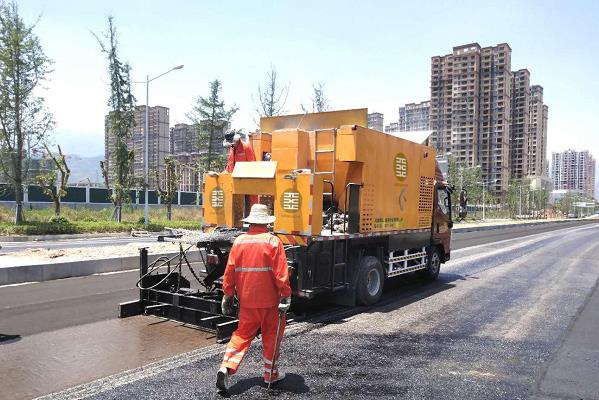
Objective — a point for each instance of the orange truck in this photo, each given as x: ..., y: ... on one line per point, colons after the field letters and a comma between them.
x: 353, y: 206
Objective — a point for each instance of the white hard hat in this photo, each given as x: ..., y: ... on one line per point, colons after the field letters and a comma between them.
x: 259, y: 215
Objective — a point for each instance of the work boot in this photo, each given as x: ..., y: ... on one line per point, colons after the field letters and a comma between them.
x: 277, y: 377
x: 222, y: 380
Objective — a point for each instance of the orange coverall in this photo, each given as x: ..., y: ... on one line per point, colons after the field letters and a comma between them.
x: 242, y: 151
x: 257, y: 269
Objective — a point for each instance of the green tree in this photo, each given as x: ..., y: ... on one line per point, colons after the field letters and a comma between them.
x: 461, y: 176
x: 118, y: 170
x: 167, y: 187
x: 565, y: 203
x: 210, y: 118
x: 48, y: 181
x: 271, y: 96
x: 24, y: 121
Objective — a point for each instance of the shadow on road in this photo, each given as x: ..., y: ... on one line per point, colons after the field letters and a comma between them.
x: 8, y: 339
x: 293, y: 383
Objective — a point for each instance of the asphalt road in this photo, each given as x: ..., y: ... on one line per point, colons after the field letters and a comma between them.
x: 46, y: 306
x: 11, y: 247
x: 489, y: 328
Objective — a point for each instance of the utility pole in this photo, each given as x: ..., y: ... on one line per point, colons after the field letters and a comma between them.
x: 520, y: 205
x: 146, y: 151
x: 483, y: 200
x: 146, y: 137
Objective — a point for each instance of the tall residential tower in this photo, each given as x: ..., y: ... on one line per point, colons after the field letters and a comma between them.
x: 481, y: 113
x: 574, y: 170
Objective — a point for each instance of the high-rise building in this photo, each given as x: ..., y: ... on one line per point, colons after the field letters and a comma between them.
x: 481, y: 113
x: 392, y: 127
x: 519, y: 144
x: 158, y: 142
x: 186, y: 168
x: 537, y: 148
x: 574, y: 170
x: 414, y: 117
x: 375, y: 121
x: 183, y: 139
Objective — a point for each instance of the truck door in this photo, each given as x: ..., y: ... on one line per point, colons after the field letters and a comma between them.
x: 442, y: 222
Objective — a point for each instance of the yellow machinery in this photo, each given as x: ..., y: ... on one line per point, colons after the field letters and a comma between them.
x: 354, y: 207
x: 330, y: 179
x: 396, y: 177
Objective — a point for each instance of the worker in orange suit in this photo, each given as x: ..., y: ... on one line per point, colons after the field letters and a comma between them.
x: 239, y: 151
x: 257, y: 271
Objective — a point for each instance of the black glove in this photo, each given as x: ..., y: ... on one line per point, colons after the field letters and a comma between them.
x: 284, y: 304
x: 227, y: 305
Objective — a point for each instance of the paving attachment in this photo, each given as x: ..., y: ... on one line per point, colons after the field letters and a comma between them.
x: 164, y: 292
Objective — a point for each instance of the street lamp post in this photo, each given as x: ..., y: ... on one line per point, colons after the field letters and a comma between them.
x: 146, y: 137
x: 520, y: 204
x: 483, y: 200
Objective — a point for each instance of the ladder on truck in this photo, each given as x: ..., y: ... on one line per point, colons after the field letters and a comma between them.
x: 335, y: 243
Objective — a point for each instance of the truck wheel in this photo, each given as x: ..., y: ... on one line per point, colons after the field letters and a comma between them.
x: 433, y: 264
x: 370, y: 281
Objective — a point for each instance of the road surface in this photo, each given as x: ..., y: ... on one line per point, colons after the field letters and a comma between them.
x: 489, y: 328
x: 40, y: 307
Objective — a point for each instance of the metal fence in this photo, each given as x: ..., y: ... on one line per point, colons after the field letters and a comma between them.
x: 93, y: 195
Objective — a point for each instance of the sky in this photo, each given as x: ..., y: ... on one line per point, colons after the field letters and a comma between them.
x: 373, y: 54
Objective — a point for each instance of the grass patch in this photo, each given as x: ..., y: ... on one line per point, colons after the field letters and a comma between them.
x: 82, y: 219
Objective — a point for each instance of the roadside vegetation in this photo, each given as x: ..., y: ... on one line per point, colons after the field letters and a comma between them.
x: 42, y: 221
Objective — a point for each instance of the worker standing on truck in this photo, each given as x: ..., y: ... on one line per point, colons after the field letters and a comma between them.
x: 257, y: 271
x: 239, y: 151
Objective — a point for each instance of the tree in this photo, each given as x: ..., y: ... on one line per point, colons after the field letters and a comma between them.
x: 167, y: 187
x: 467, y: 178
x: 319, y: 102
x: 272, y: 97
x: 565, y: 203
x: 24, y: 121
x: 210, y: 119
x: 48, y: 181
x: 118, y: 171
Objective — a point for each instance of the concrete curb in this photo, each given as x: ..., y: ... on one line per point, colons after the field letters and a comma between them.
x: 70, y: 269
x: 457, y: 229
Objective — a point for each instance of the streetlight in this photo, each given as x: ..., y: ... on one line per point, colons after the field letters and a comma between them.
x: 146, y: 136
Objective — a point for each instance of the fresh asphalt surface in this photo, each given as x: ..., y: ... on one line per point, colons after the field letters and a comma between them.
x: 487, y: 329
x: 45, y: 306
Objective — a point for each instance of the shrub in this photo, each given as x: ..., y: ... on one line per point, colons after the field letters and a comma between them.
x: 58, y: 219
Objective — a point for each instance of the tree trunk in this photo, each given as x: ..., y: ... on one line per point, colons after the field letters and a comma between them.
x: 168, y: 211
x: 116, y: 213
x: 56, y: 206
x: 19, y: 201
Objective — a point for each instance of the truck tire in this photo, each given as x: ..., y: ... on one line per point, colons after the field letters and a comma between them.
x: 433, y: 264
x: 370, y: 281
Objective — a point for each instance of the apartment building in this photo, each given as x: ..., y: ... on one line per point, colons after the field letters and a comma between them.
x: 158, y: 142
x: 186, y: 168
x: 574, y: 171
x: 519, y: 134
x: 375, y: 121
x: 414, y: 116
x: 183, y: 139
x: 482, y: 113
x: 392, y: 127
x: 537, y: 132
